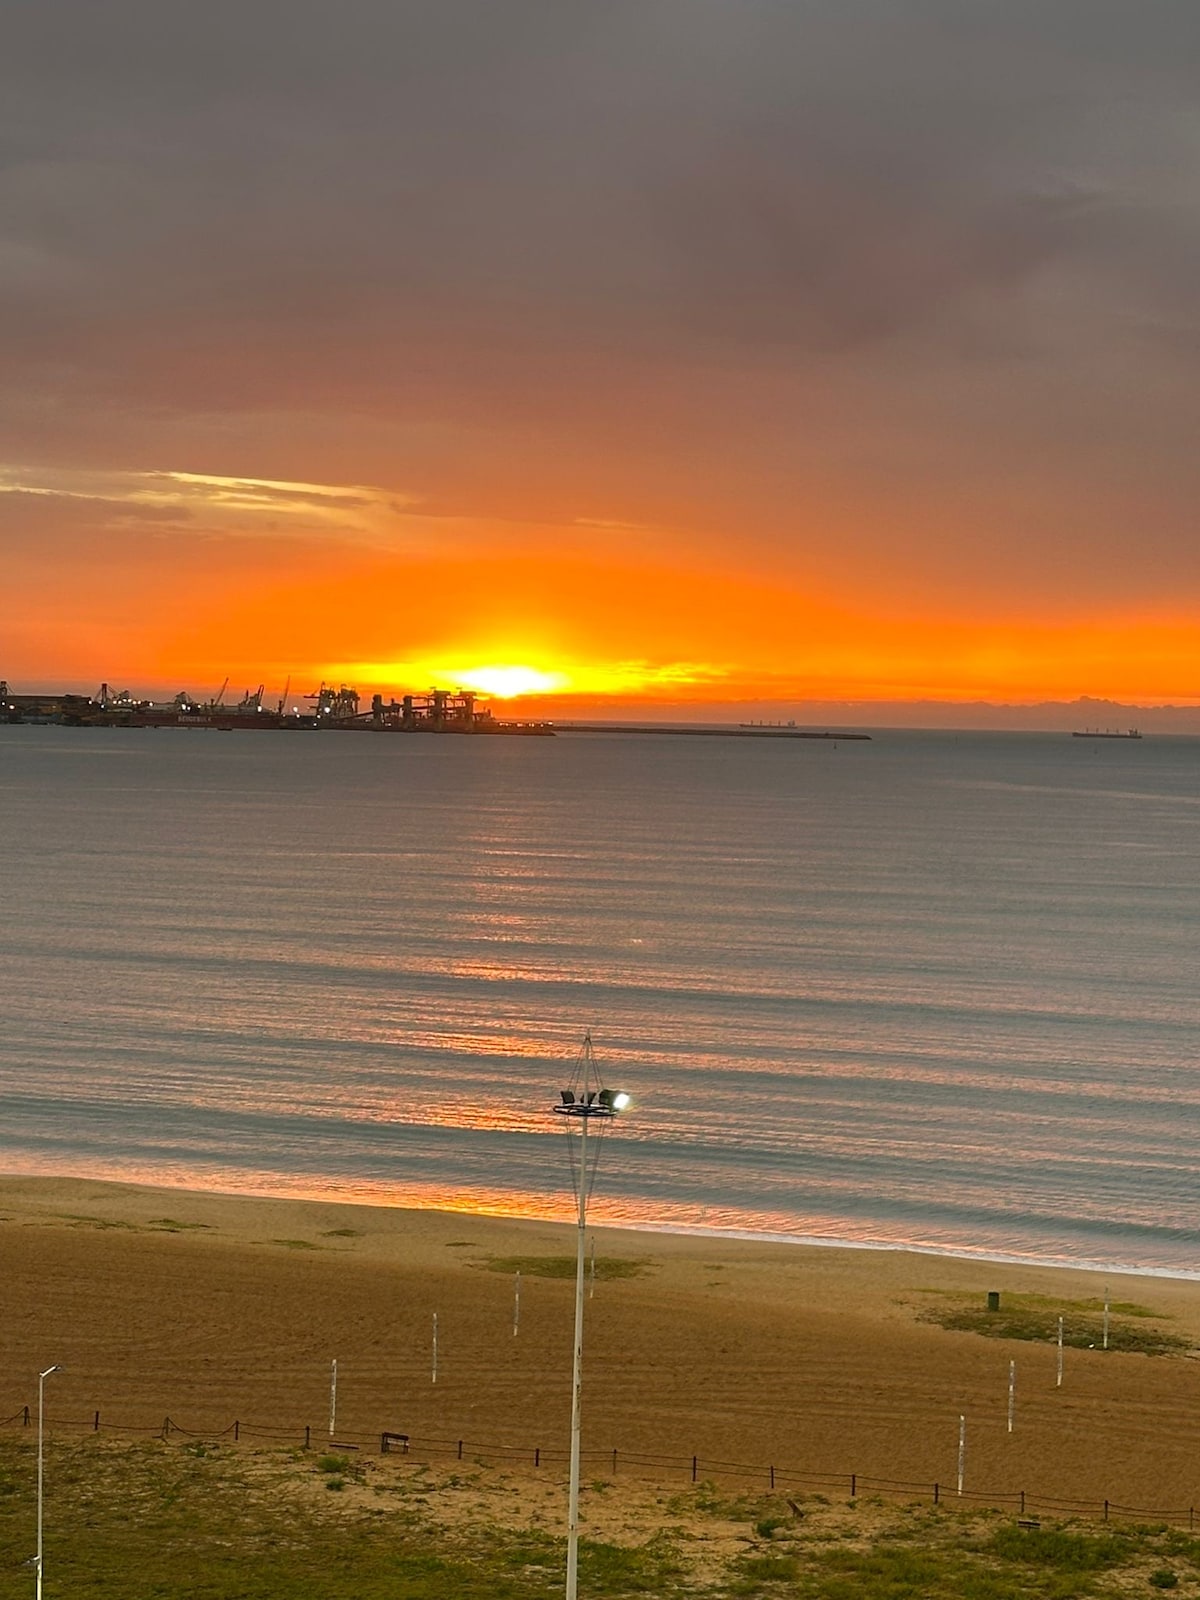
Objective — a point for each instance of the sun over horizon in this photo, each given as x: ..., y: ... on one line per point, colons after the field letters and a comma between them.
x: 201, y: 578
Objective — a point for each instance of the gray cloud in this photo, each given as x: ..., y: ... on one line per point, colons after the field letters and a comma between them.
x: 682, y: 255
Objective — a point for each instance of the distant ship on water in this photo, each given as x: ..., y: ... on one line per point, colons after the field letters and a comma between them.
x: 1106, y: 733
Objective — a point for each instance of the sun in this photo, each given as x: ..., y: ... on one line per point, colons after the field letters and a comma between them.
x: 506, y: 682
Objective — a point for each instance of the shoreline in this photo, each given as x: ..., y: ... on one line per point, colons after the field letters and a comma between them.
x: 564, y: 1217
x: 949, y: 1252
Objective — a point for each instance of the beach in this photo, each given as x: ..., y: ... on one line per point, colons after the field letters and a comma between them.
x: 210, y: 1308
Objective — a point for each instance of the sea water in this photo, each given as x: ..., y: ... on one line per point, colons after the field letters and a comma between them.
x: 930, y: 990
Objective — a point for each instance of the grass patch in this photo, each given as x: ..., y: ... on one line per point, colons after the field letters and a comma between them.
x: 171, y: 1225
x: 1124, y: 1308
x: 768, y: 1515
x: 151, y: 1519
x: 342, y: 1233
x: 607, y: 1267
x: 79, y: 1220
x: 908, y: 1572
x: 147, y: 1521
x: 616, y: 1569
x: 1034, y: 1318
x: 296, y: 1244
x: 768, y: 1569
x: 1061, y: 1548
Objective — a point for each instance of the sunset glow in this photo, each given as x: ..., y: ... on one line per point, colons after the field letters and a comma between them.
x: 507, y: 682
x: 861, y: 408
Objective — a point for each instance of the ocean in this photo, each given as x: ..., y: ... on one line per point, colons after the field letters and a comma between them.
x: 934, y: 991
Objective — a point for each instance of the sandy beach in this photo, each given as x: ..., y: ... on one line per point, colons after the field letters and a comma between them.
x: 207, y: 1308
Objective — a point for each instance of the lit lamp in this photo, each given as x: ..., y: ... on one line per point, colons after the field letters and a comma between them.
x: 584, y: 1102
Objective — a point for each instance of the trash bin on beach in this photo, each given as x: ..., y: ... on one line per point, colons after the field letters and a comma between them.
x: 993, y: 1299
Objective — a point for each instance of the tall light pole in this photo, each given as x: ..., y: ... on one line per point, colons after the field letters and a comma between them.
x: 582, y: 1103
x: 37, y: 1560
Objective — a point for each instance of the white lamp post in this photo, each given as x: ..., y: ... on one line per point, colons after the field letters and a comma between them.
x: 584, y: 1101
x: 37, y: 1560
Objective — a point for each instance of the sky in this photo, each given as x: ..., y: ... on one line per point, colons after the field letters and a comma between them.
x: 677, y: 351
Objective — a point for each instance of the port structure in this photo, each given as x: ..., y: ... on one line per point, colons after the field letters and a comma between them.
x: 436, y: 711
x: 439, y: 711
x: 334, y: 705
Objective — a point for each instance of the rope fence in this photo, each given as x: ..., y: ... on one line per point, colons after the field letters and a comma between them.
x: 1025, y: 1504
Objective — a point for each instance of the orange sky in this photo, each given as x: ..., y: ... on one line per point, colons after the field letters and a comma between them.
x: 680, y: 353
x: 615, y: 623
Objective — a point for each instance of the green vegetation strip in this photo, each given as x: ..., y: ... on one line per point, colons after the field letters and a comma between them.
x: 153, y: 1520
x: 1034, y: 1317
x: 156, y: 1519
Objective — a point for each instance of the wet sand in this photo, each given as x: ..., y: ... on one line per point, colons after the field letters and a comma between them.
x: 207, y: 1308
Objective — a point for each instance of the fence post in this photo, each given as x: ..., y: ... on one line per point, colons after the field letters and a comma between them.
x: 1192, y: 1517
x: 1022, y: 1502
x: 695, y: 1463
x: 853, y: 1484
x: 460, y: 1445
x: 25, y: 1421
x: 614, y: 1467
x: 166, y: 1427
x: 96, y: 1423
x: 935, y: 1494
x: 307, y: 1436
x: 771, y: 1470
x: 537, y: 1456
x: 237, y: 1432
x: 1106, y: 1511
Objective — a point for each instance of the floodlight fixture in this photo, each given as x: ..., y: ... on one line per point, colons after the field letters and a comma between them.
x: 591, y: 1102
x: 584, y: 1101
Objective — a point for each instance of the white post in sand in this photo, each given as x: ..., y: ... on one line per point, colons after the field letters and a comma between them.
x: 592, y: 1281
x: 37, y: 1560
x: 517, y: 1306
x: 1058, y: 1380
x: 332, y: 1396
x: 962, y: 1450
x: 434, y: 1377
x: 1105, y: 1317
x: 1012, y: 1392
